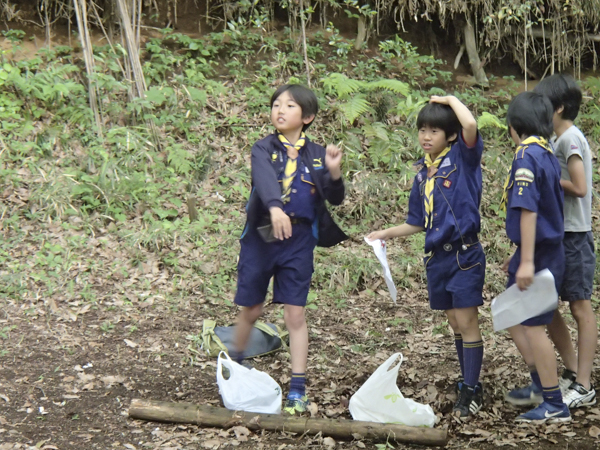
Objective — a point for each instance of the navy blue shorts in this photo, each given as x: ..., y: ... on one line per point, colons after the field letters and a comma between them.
x: 455, y: 276
x: 290, y: 262
x: 549, y: 256
x: 580, y: 265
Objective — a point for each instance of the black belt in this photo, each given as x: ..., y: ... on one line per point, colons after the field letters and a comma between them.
x: 298, y: 220
x: 459, y: 244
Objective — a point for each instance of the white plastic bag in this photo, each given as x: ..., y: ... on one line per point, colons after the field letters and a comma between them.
x: 381, y: 252
x: 380, y: 400
x: 247, y: 389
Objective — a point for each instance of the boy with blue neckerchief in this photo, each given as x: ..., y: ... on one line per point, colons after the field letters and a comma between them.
x: 444, y: 202
x: 533, y: 201
x: 286, y: 218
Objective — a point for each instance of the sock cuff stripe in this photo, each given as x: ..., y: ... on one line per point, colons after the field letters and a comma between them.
x: 298, y: 375
x: 458, y: 337
x: 473, y: 344
x: 551, y: 389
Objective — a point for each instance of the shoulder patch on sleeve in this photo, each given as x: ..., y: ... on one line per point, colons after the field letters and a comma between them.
x: 524, y: 175
x: 574, y: 147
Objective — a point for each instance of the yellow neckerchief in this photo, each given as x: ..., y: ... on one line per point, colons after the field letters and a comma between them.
x: 521, y: 148
x: 430, y: 185
x: 291, y: 166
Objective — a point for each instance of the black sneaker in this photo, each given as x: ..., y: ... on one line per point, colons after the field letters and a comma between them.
x: 470, y: 401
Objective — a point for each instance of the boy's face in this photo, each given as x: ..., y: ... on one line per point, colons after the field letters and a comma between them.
x: 433, y: 140
x: 286, y: 114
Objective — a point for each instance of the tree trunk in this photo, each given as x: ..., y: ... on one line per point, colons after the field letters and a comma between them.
x: 476, y: 66
x: 361, y: 35
x: 210, y: 416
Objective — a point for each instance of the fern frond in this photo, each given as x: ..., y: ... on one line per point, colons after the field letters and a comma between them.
x: 355, y: 107
x: 341, y: 85
x: 376, y: 130
x: 391, y: 85
x: 489, y: 120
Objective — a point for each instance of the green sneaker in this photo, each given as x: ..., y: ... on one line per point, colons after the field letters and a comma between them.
x: 295, y: 403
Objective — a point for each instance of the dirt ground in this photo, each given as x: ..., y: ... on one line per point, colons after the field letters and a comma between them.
x: 67, y: 380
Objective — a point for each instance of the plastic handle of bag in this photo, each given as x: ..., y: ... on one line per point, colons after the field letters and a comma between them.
x: 386, y: 366
x: 220, y: 366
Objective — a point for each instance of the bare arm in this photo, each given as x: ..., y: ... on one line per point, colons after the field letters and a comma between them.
x: 576, y: 186
x: 526, y: 270
x: 401, y: 230
x: 466, y: 119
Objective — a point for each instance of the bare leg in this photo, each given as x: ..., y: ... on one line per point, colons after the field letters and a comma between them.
x: 467, y: 320
x: 543, y: 354
x: 246, y: 318
x: 520, y: 339
x: 587, y: 337
x: 560, y: 335
x: 295, y: 322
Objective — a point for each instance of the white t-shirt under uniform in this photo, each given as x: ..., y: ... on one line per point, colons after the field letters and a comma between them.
x: 578, y: 211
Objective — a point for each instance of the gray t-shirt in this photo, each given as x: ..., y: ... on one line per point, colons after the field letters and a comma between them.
x: 578, y: 211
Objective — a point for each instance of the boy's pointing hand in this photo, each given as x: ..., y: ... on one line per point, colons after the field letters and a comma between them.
x: 333, y: 161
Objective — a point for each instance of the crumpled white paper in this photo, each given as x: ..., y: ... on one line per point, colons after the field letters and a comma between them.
x: 381, y: 253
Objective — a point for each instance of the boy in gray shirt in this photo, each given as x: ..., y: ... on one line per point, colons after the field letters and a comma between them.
x: 574, y: 155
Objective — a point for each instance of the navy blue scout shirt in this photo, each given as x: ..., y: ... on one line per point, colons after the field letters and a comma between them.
x: 304, y: 194
x: 534, y: 185
x: 268, y: 163
x: 456, y: 196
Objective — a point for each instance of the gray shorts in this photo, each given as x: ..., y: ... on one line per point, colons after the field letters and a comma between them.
x: 580, y: 265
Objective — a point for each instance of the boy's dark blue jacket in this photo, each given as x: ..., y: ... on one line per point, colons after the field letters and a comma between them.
x: 268, y: 162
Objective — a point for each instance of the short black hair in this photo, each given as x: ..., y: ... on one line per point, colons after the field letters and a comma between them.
x: 562, y: 90
x: 306, y: 99
x: 530, y: 114
x: 439, y: 116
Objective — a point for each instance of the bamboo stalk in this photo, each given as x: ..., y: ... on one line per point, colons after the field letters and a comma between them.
x: 86, y: 46
x: 303, y: 24
x: 210, y: 416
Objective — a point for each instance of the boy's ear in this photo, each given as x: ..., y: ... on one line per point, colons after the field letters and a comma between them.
x: 560, y: 110
x: 308, y: 119
x: 452, y: 137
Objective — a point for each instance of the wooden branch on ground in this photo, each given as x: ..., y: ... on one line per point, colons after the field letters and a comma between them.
x: 210, y: 416
x: 471, y: 45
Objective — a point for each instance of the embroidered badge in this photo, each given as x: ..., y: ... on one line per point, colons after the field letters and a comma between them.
x: 419, y: 177
x: 317, y: 162
x: 574, y: 147
x: 445, y: 163
x: 274, y: 156
x: 524, y: 175
x: 447, y: 183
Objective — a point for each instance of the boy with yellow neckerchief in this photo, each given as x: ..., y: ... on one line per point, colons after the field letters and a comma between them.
x: 533, y: 200
x: 444, y: 202
x: 286, y: 218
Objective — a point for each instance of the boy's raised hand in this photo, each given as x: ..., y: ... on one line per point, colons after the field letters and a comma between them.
x: 445, y: 100
x: 333, y: 161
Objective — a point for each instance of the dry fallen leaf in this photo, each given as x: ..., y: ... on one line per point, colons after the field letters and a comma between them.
x: 241, y: 433
x: 329, y: 442
x: 313, y: 408
x: 594, y: 431
x: 130, y: 343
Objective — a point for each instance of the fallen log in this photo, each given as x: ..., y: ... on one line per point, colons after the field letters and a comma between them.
x: 211, y: 416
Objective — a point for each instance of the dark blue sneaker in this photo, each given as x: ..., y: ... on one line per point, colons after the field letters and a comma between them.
x: 528, y: 395
x: 459, y: 383
x: 546, y: 413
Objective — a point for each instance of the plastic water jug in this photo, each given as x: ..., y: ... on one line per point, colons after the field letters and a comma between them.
x: 514, y: 306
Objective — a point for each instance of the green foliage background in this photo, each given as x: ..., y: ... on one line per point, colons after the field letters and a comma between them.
x: 63, y: 187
